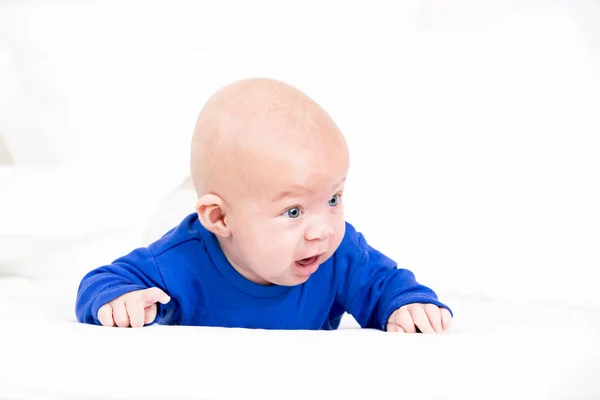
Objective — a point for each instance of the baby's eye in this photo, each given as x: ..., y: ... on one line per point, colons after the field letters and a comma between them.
x: 335, y: 200
x: 293, y: 212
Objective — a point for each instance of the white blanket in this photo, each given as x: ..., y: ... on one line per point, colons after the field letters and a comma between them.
x: 495, y: 350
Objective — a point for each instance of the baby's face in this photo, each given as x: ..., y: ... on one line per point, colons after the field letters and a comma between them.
x: 291, y: 218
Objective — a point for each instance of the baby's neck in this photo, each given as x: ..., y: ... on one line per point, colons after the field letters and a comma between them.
x: 247, y: 273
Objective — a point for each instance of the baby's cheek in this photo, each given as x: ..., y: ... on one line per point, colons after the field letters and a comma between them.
x: 336, y: 239
x: 340, y: 230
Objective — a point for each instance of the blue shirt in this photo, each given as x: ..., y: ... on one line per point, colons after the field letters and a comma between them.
x: 189, y: 265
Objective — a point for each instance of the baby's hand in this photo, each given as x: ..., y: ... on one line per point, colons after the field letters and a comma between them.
x: 428, y: 318
x: 133, y: 309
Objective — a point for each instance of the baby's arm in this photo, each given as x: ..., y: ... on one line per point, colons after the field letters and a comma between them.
x: 131, y: 288
x: 374, y: 288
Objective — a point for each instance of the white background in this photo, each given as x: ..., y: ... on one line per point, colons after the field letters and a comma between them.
x: 474, y: 135
x: 473, y: 126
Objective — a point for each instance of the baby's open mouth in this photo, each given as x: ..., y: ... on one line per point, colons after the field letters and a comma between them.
x: 305, y: 262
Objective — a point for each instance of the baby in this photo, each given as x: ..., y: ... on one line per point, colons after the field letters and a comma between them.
x: 267, y: 246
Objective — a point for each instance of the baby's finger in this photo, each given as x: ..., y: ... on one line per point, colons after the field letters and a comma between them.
x: 150, y: 314
x: 120, y: 313
x: 404, y: 320
x: 446, y: 319
x: 105, y: 315
x: 420, y: 319
x: 135, y: 311
x: 435, y: 318
x: 391, y: 327
x: 153, y: 295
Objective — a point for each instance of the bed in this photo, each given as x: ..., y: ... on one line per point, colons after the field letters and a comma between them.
x: 495, y: 350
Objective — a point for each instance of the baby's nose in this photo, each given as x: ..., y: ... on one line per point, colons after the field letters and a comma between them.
x: 320, y: 231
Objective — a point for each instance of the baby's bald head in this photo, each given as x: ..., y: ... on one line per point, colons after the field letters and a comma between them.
x: 269, y: 166
x: 250, y: 122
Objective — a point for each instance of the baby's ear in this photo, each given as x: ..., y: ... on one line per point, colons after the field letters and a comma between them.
x: 211, y: 213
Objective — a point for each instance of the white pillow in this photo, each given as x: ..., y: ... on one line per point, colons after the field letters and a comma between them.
x: 47, y: 211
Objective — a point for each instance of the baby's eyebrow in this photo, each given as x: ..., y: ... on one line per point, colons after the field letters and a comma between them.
x: 339, y: 183
x: 299, y: 189
x: 290, y: 193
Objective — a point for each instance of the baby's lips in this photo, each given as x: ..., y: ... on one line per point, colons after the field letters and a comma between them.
x: 307, y: 261
x: 311, y: 256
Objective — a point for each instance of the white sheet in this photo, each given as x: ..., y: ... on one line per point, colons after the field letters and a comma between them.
x: 495, y: 350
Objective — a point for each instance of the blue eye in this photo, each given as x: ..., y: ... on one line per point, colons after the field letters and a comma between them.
x: 293, y: 212
x: 334, y: 201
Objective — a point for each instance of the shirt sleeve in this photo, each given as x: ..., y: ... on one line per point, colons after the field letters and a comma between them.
x: 373, y: 286
x: 135, y: 271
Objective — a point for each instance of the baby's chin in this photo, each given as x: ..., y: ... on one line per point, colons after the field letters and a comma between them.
x: 289, y: 280
x: 292, y: 279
